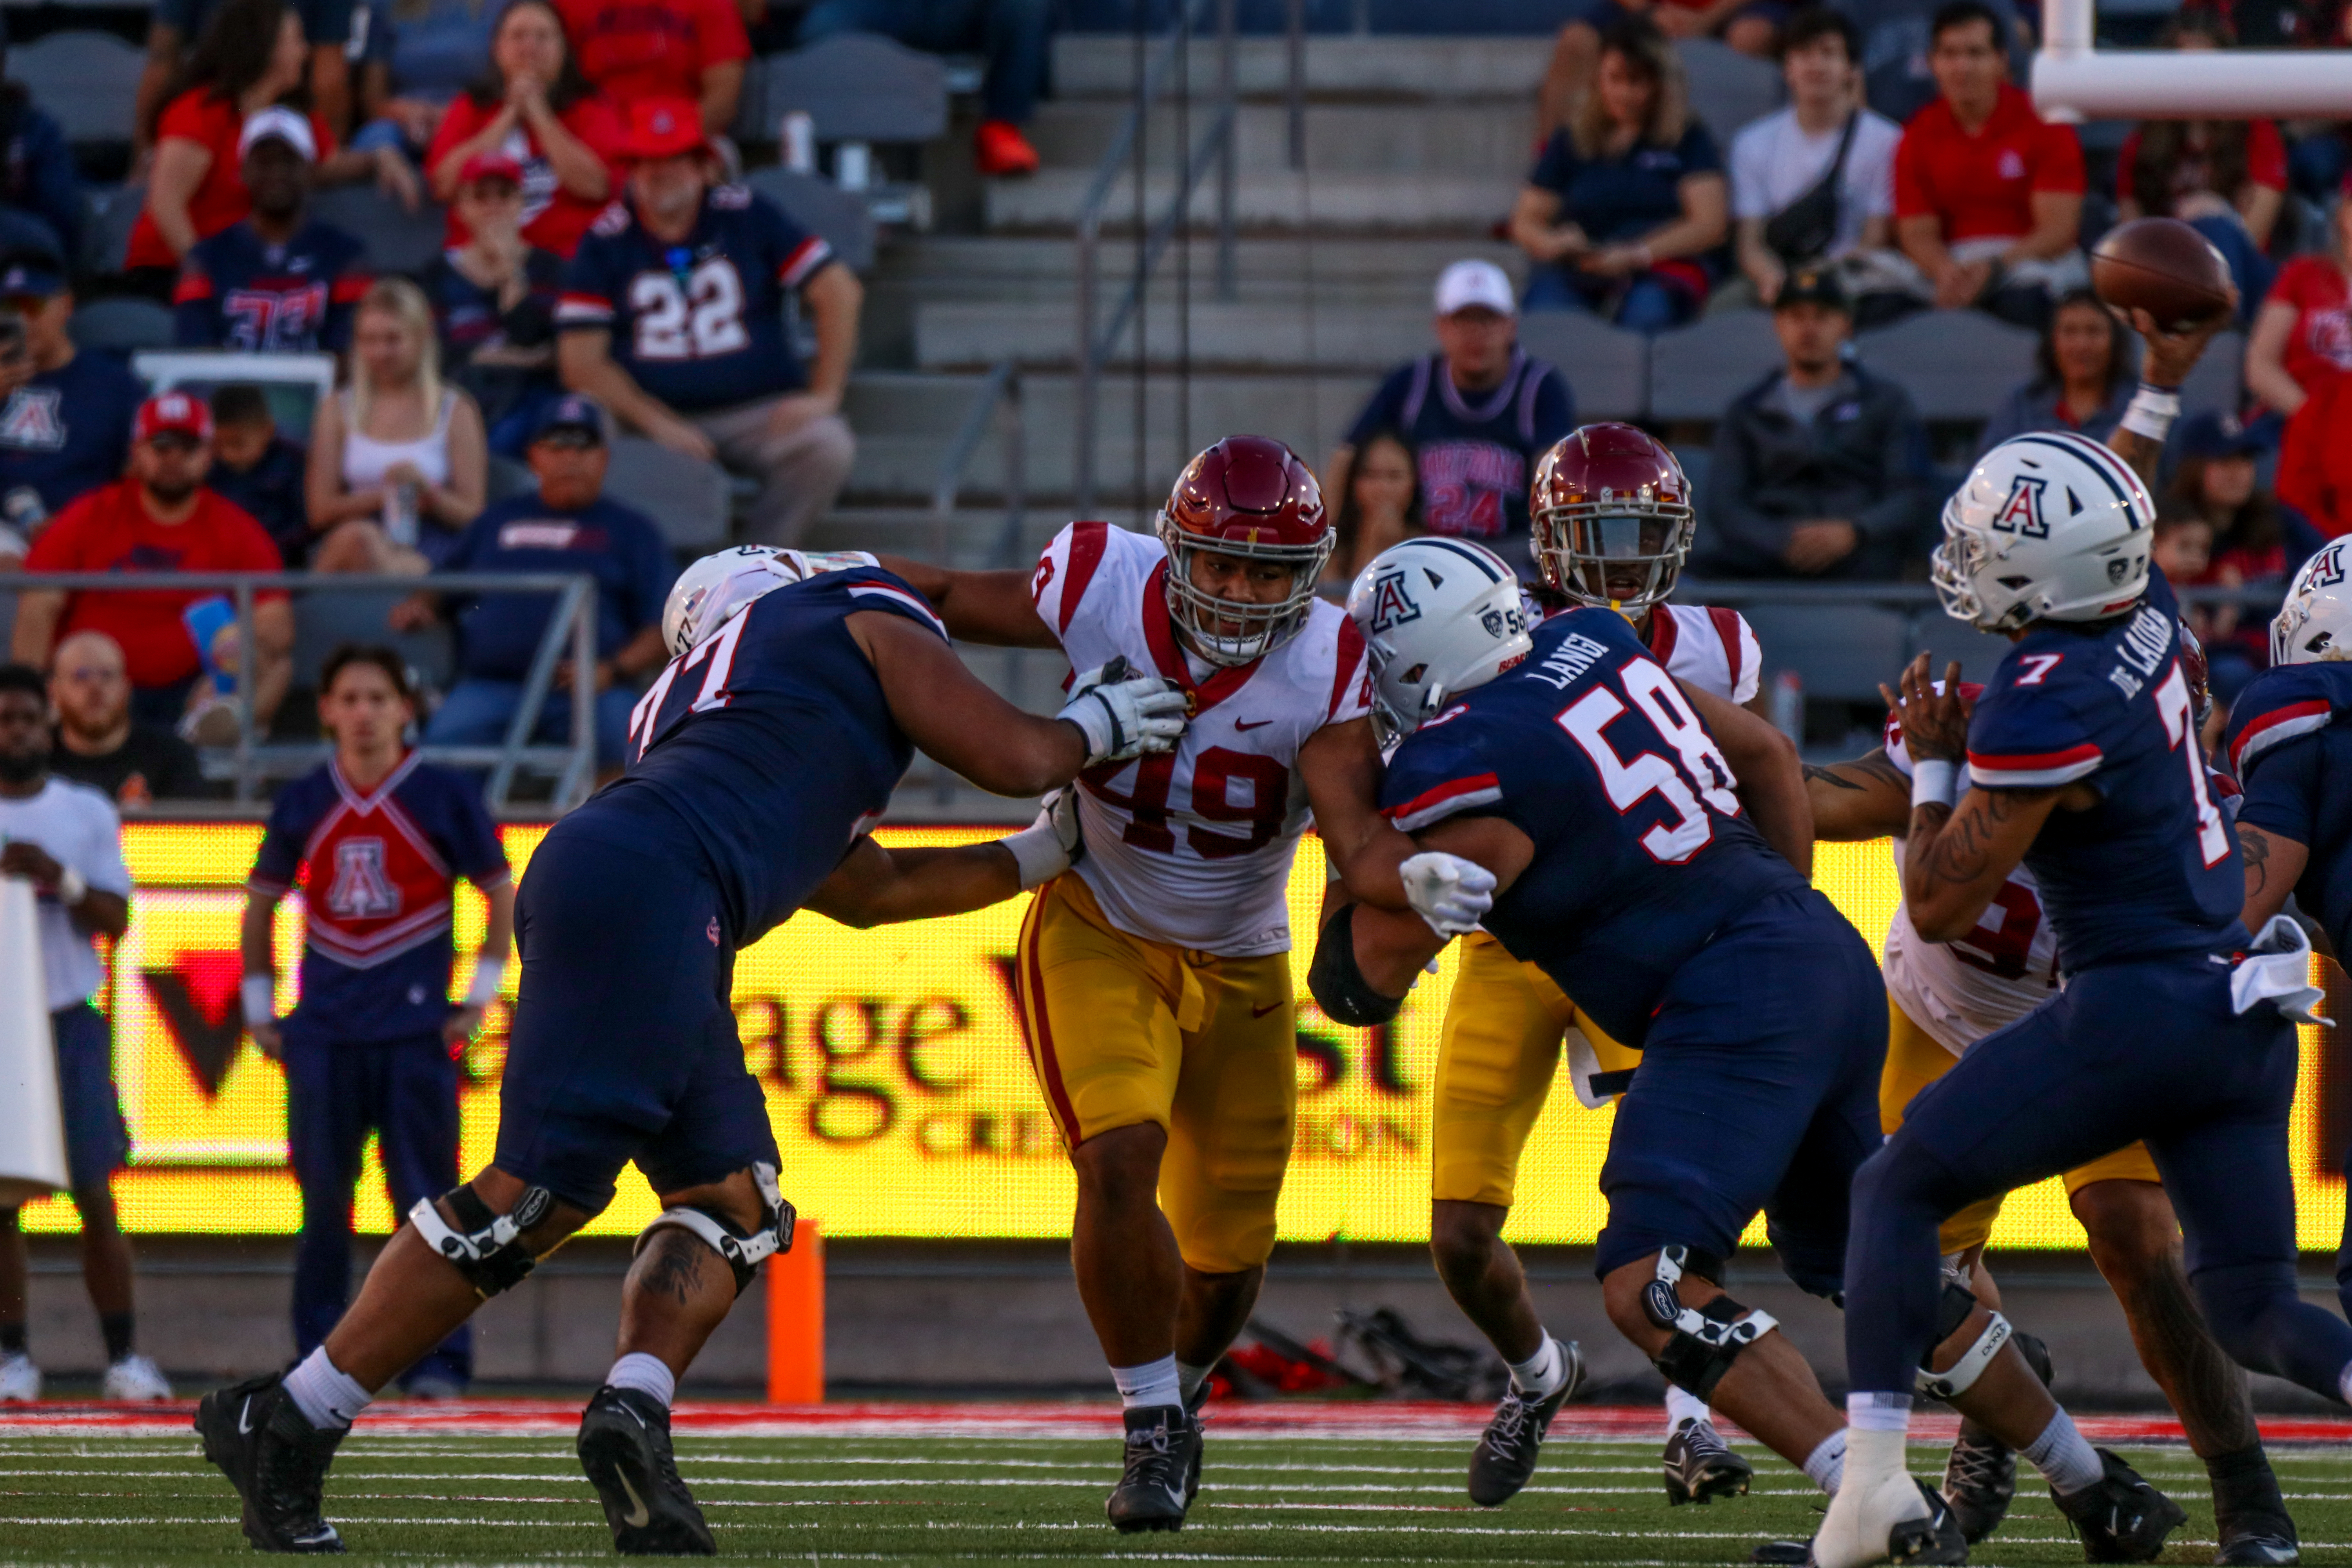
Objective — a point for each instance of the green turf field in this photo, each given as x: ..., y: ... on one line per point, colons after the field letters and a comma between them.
x: 456, y: 1499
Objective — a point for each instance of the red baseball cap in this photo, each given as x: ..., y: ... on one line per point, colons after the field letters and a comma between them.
x: 174, y: 412
x: 492, y: 166
x: 664, y: 128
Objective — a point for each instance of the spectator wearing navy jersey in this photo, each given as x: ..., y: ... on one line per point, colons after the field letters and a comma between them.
x: 672, y: 317
x: 376, y: 838
x: 1479, y: 413
x: 260, y: 470
x: 1820, y: 470
x: 275, y: 281
x: 65, y: 416
x: 566, y: 525
x: 493, y: 300
x: 1626, y: 201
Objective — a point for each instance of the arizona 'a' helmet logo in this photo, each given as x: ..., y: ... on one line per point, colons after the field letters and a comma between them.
x: 2022, y: 513
x: 2327, y: 566
x: 1392, y: 605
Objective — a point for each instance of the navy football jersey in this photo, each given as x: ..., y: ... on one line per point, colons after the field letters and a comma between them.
x: 773, y: 743
x: 1475, y: 450
x: 1643, y: 851
x: 376, y: 872
x: 67, y: 431
x: 2289, y: 738
x: 238, y: 292
x: 2151, y: 870
x: 700, y: 324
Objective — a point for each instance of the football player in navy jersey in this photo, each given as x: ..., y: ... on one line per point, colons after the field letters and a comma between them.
x: 275, y: 281
x: 2083, y: 764
x: 377, y: 837
x: 800, y: 690
x: 672, y: 316
x: 1645, y: 842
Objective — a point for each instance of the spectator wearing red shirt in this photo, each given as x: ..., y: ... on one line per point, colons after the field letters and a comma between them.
x: 1987, y: 198
x: 2303, y: 334
x: 535, y: 108
x: 2225, y: 178
x: 158, y: 519
x: 632, y: 50
x: 252, y: 55
x: 2314, y: 470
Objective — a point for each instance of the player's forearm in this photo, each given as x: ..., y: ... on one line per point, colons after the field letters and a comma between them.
x: 1390, y: 947
x: 1866, y: 798
x: 1958, y: 857
x: 498, y: 930
x: 2139, y: 454
x: 253, y: 935
x: 990, y: 607
x: 2273, y: 865
x: 878, y: 887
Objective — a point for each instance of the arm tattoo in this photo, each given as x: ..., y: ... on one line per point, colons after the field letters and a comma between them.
x: 2254, y: 845
x: 1963, y: 841
x: 1828, y: 775
x: 2139, y: 453
x: 1855, y: 774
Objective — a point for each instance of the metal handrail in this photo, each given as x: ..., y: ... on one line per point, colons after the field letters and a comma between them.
x: 574, y: 617
x: 1094, y: 345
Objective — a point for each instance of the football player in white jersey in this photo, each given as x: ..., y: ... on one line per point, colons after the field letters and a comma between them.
x: 1941, y: 998
x: 1154, y: 979
x: 1613, y: 522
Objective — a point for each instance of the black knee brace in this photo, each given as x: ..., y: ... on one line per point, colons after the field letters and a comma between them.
x: 1707, y: 1340
x: 1337, y: 985
x: 1952, y: 1310
x: 489, y: 1249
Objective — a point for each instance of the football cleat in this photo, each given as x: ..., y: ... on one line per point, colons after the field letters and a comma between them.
x: 2263, y: 1545
x: 276, y: 1461
x: 1701, y: 1466
x: 625, y: 1448
x: 1979, y: 1480
x: 1506, y: 1456
x: 2121, y: 1518
x: 1195, y: 1407
x: 136, y: 1379
x: 1902, y: 1520
x: 1163, y: 1472
x: 20, y: 1379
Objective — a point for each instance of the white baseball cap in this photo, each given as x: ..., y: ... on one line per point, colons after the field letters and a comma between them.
x: 284, y: 124
x: 1474, y: 283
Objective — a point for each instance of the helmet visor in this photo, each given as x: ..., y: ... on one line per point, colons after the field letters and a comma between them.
x: 1239, y: 602
x: 1628, y: 559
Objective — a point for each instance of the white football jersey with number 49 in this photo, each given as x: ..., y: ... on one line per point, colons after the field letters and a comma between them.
x: 1194, y: 847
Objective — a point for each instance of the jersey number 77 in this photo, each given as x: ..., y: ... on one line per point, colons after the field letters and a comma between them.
x: 1699, y: 772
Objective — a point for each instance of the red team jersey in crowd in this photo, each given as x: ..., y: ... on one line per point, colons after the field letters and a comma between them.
x: 1982, y: 186
x: 220, y: 198
x: 553, y: 217
x: 2319, y: 344
x: 653, y: 48
x: 110, y: 529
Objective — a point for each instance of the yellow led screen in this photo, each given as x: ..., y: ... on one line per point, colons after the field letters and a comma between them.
x: 895, y: 1073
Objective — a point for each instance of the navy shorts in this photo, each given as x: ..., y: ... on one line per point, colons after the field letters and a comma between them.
x: 97, y: 1144
x: 624, y: 1045
x: 1758, y: 1089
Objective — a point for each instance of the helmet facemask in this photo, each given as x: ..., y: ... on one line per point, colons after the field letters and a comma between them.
x: 1233, y: 632
x: 1620, y: 554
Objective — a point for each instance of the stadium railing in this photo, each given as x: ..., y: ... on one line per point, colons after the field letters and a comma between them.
x: 252, y: 759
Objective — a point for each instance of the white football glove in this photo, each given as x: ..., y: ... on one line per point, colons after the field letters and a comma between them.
x: 1051, y: 844
x: 1123, y: 717
x: 1452, y: 895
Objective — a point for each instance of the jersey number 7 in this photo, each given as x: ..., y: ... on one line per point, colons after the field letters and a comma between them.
x: 2179, y: 728
x: 1703, y: 772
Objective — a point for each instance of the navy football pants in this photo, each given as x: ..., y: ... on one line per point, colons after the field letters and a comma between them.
x: 1758, y: 1089
x: 2126, y: 1051
x: 405, y: 1092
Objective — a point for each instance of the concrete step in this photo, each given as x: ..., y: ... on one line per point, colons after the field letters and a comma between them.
x: 959, y: 265
x: 1467, y: 204
x: 1246, y: 335
x: 1473, y: 138
x: 1103, y: 66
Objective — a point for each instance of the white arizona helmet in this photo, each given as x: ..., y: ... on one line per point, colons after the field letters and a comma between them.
x: 2046, y: 528
x: 2315, y: 624
x: 1440, y: 616
x: 715, y: 587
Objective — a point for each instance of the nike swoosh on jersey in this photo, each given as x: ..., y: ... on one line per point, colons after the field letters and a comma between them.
x: 1262, y: 1012
x: 1251, y: 723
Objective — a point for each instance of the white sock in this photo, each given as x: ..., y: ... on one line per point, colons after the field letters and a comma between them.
x: 1151, y: 1384
x: 325, y: 1395
x: 1683, y: 1405
x: 1825, y: 1466
x: 1878, y: 1412
x: 2065, y: 1461
x: 1873, y: 1458
x: 648, y: 1374
x: 1540, y: 1375
x: 1188, y: 1379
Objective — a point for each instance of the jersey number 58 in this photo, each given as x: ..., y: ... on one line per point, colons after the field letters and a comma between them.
x: 1700, y: 771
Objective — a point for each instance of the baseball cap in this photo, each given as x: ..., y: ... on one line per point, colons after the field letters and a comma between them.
x: 1814, y: 286
x: 1468, y: 285
x: 664, y: 128
x: 491, y: 166
x: 173, y: 412
x: 2213, y: 433
x: 572, y: 411
x: 33, y: 274
x: 282, y: 123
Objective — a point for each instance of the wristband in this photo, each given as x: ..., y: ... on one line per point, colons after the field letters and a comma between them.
x: 259, y: 994
x: 72, y: 887
x: 1934, y: 781
x: 489, y: 974
x: 2152, y: 411
x: 1037, y: 851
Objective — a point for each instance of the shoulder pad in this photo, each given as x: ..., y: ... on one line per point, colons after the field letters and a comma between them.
x: 2282, y: 703
x: 613, y: 220
x: 730, y: 198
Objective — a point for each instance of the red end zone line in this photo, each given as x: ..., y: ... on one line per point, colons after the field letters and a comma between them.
x: 549, y: 1417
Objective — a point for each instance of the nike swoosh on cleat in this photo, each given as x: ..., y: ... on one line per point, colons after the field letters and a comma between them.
x: 245, y: 1416
x: 639, y: 1515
